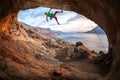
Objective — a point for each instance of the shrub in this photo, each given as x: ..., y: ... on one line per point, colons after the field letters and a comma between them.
x: 93, y: 52
x: 78, y: 44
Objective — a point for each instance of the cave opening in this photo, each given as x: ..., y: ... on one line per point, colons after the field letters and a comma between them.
x: 74, y: 23
x: 36, y: 18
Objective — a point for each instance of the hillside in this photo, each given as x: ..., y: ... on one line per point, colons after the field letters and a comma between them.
x: 38, y: 30
x: 31, y: 55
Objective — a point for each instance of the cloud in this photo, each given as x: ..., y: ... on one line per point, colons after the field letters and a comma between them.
x: 70, y: 21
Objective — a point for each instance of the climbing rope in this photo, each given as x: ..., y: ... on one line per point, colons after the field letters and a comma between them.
x: 96, y: 33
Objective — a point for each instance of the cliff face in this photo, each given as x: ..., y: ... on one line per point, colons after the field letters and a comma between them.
x: 30, y: 55
x: 106, y: 13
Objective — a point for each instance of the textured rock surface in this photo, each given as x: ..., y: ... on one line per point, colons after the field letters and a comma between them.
x: 106, y: 13
x: 28, y: 55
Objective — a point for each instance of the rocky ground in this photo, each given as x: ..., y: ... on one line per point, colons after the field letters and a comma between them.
x: 27, y: 55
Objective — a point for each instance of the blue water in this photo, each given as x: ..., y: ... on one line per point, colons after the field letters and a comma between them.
x: 96, y: 42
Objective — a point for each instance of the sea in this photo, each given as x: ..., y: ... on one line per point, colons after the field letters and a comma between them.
x: 96, y: 42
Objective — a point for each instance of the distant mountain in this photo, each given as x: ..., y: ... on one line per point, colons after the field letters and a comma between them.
x: 96, y: 30
x: 44, y: 31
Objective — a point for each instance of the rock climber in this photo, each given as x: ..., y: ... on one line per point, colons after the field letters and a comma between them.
x: 52, y: 15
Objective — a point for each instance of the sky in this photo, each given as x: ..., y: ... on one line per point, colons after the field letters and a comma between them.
x: 70, y: 21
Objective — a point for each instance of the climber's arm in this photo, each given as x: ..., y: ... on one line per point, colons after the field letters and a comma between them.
x: 50, y: 9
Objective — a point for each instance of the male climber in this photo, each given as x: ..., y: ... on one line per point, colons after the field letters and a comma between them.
x: 52, y: 15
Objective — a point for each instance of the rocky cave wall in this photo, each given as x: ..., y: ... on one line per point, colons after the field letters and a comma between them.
x: 106, y: 13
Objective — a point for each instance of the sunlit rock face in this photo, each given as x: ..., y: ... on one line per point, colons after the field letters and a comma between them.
x: 106, y: 13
